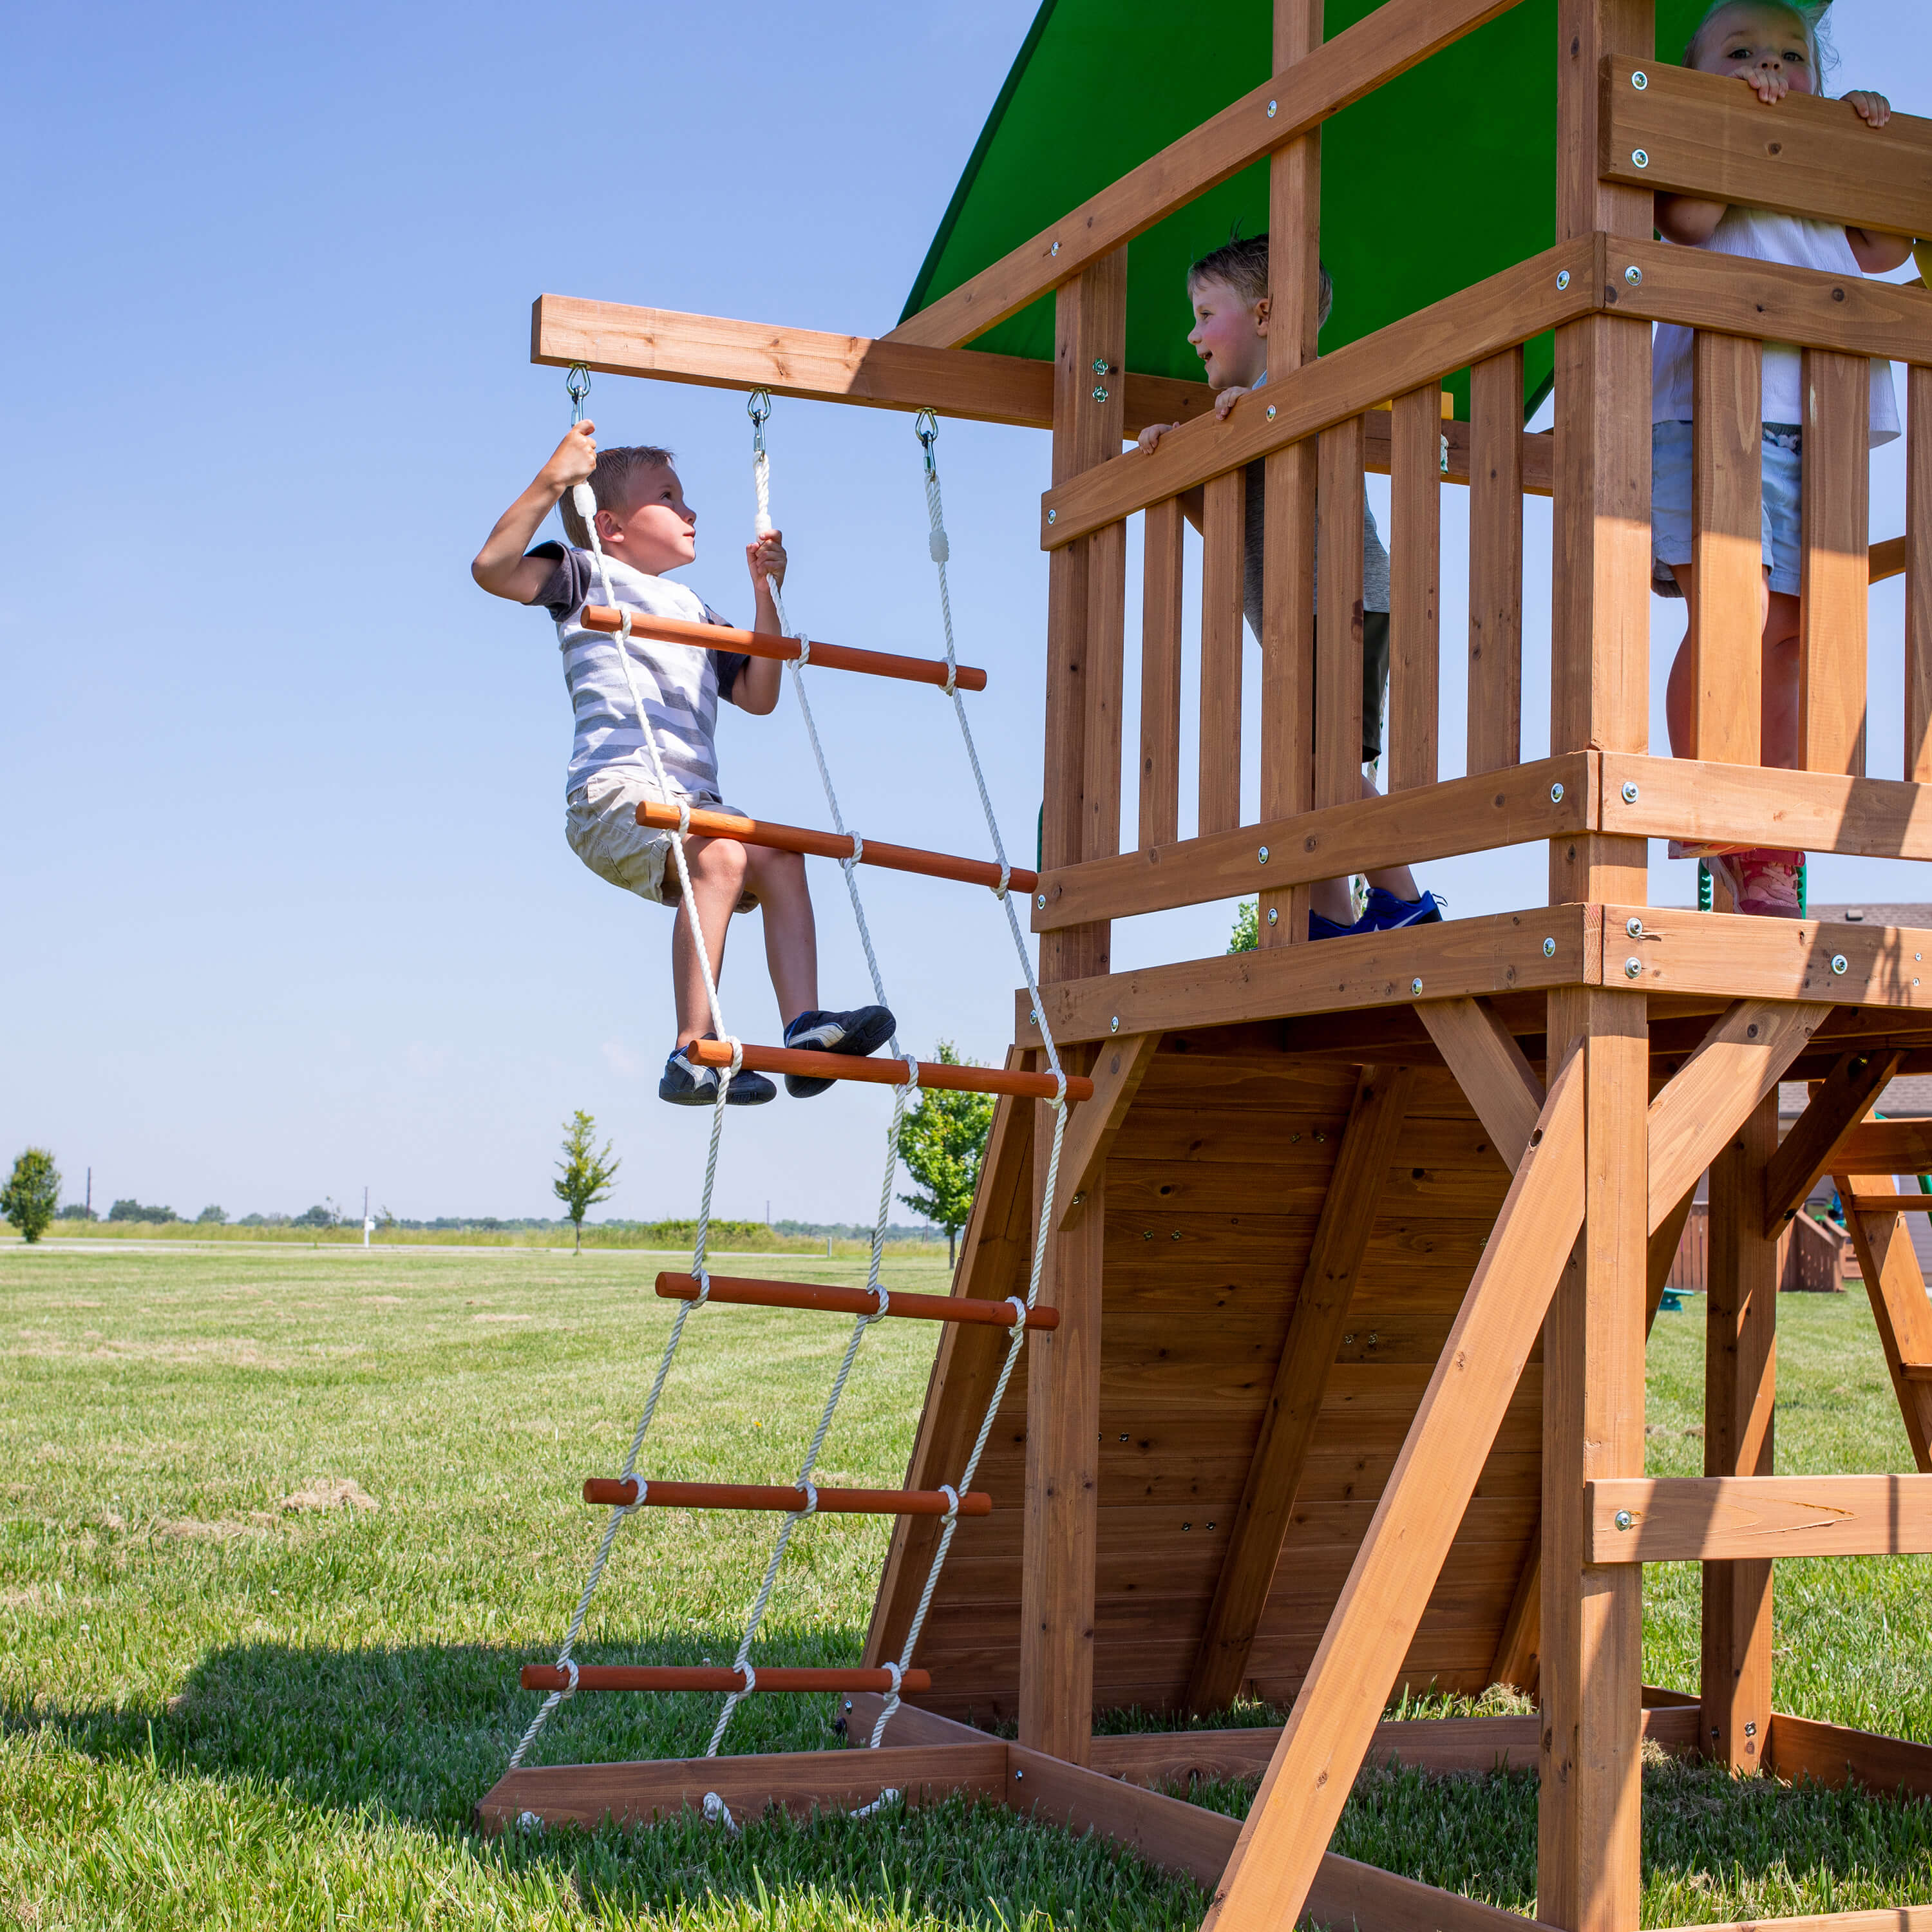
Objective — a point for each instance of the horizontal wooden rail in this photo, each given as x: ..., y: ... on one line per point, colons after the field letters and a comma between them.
x: 1549, y: 799
x: 836, y: 845
x: 891, y: 1073
x: 621, y: 1492
x: 709, y: 1677
x: 1667, y: 128
x: 715, y: 351
x: 1394, y: 38
x: 750, y: 1294
x: 1896, y: 1146
x: 1720, y: 954
x: 1677, y: 1518
x: 1892, y: 1203
x: 786, y: 650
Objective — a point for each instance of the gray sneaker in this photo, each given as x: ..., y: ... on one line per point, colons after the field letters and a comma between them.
x: 685, y: 1085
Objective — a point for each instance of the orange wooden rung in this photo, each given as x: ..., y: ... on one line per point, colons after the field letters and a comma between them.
x: 621, y: 1492
x: 708, y: 1677
x: 836, y: 845
x: 853, y: 1301
x: 889, y: 1073
x: 763, y: 644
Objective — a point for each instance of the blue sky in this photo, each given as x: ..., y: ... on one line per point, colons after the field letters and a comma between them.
x: 288, y: 908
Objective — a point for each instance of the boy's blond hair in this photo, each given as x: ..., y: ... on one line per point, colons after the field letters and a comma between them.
x: 614, y: 480
x: 1243, y: 264
x: 1810, y: 14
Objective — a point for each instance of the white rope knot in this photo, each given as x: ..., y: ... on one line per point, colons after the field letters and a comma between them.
x: 804, y: 657
x: 912, y: 1072
x: 810, y: 1498
x: 624, y: 623
x: 703, y: 1289
x: 951, y: 686
x: 584, y: 500
x: 1006, y: 879
x: 884, y: 1299
x: 952, y: 1496
x: 683, y: 819
x: 1059, y: 1098
x: 750, y: 1683
x: 1020, y: 1311
x: 737, y: 1047
x: 643, y: 1489
x: 569, y: 1669
x: 896, y: 1672
x: 858, y: 850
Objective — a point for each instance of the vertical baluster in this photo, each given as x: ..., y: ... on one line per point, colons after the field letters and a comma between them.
x: 1836, y: 573
x: 1415, y: 551
x: 1160, y: 817
x: 1727, y: 549
x: 1496, y: 562
x: 1106, y: 650
x: 1288, y: 668
x: 1338, y: 622
x: 1918, y: 576
x: 1223, y: 515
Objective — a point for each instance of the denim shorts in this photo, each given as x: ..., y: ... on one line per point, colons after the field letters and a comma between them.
x: 1670, y: 504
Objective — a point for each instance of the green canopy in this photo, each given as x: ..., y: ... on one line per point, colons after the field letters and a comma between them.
x: 1434, y: 182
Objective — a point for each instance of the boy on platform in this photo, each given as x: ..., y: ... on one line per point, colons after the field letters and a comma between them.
x: 1774, y: 48
x: 1229, y: 291
x: 647, y: 529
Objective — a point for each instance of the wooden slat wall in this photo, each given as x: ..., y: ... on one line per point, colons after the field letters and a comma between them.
x: 1415, y: 552
x: 1831, y: 643
x: 1918, y: 576
x: 1222, y: 532
x: 1338, y: 618
x: 1496, y: 562
x: 1159, y: 815
x: 1288, y: 668
x: 1727, y: 548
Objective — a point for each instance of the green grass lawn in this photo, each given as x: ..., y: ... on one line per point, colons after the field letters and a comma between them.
x: 282, y: 1523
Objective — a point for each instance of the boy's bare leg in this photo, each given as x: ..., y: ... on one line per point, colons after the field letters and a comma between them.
x: 1332, y: 898
x: 791, y: 934
x: 718, y: 871
x: 722, y: 870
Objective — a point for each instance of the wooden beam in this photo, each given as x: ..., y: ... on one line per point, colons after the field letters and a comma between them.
x: 1271, y: 1876
x: 1915, y: 1203
x: 1118, y: 1071
x: 1886, y: 1147
x: 1391, y: 40
x: 1537, y: 456
x: 1709, y: 135
x: 1495, y: 1076
x: 1494, y: 731
x: 1688, y: 1519
x: 1726, y: 547
x: 1834, y: 1756
x: 1415, y: 572
x: 1806, y: 1154
x: 1891, y: 1918
x: 1267, y: 1506
x: 1895, y: 1285
x: 1833, y: 599
x: 1702, y: 1105
x: 1548, y: 799
x: 717, y: 352
x: 1483, y: 320
x: 1666, y: 1238
x: 1497, y: 953
x: 1890, y: 560
x: 802, y: 1782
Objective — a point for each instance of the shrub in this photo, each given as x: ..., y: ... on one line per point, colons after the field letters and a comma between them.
x: 317, y: 1217
x: 77, y: 1211
x: 133, y: 1211
x: 217, y: 1215
x: 29, y: 1198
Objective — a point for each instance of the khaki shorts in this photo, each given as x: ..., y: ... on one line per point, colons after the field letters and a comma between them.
x: 600, y: 824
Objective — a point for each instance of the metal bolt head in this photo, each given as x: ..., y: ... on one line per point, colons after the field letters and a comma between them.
x: 1633, y: 275
x: 1261, y: 856
x: 1053, y: 516
x: 1633, y: 969
x: 1630, y: 791
x: 1840, y: 963
x: 1114, y: 1024
x: 1040, y: 900
x: 1639, y: 80
x: 1556, y: 794
x: 1054, y: 250
x: 1549, y: 949
x: 1625, y: 1520
x: 1078, y: 1198
x: 1274, y: 914
x: 1099, y: 365
x: 1563, y: 278
x: 1415, y: 987
x: 1639, y: 158
x: 1634, y: 927
x: 1270, y: 412
x: 1100, y: 392
x: 1032, y: 1015
x: 1274, y: 107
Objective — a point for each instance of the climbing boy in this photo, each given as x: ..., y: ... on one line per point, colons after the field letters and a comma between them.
x: 1229, y: 291
x: 647, y: 529
x: 1774, y: 49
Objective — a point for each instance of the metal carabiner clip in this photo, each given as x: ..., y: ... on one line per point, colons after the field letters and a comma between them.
x: 577, y: 386
x: 926, y: 427
x: 758, y: 407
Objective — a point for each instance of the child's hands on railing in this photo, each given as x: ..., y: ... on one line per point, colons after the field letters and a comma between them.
x: 1149, y: 439
x: 1873, y: 109
x: 1225, y: 400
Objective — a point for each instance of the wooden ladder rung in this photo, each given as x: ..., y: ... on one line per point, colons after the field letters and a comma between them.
x: 750, y: 1294
x: 886, y: 1073
x: 786, y: 650
x: 621, y: 1492
x: 1892, y: 1203
x: 836, y: 845
x: 707, y: 1677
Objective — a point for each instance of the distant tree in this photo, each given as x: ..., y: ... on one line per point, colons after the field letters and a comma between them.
x: 29, y: 1198
x: 942, y: 1141
x: 1246, y: 936
x: 217, y: 1216
x: 584, y: 1175
x: 129, y: 1209
x: 317, y: 1217
x: 77, y: 1211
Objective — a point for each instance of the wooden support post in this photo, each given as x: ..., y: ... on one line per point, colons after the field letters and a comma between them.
x: 1415, y: 563
x: 1836, y: 566
x: 1918, y: 574
x: 1278, y: 1854
x: 1106, y: 652
x: 1726, y: 547
x: 1740, y: 1379
x: 1496, y: 562
x: 1308, y: 1352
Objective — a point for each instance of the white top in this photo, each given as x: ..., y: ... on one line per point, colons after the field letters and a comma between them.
x: 1762, y: 236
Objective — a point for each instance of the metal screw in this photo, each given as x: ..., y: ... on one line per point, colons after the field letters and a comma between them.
x: 1099, y: 365
x: 1021, y: 1774
x: 1053, y: 516
x: 1175, y: 1236
x: 1633, y: 969
x: 1114, y: 1024
x: 1187, y: 1525
x: 1270, y: 412
x: 1272, y: 105
x: 1032, y: 1015
x: 1625, y: 1520
x: 1639, y: 158
x: 1563, y: 278
x: 1634, y: 927
x: 1054, y: 250
x: 1261, y: 855
x: 1274, y: 914
x: 1839, y: 963
x: 1099, y: 393
x: 1549, y: 949
x: 1639, y: 80
x: 1633, y: 275
x: 1556, y: 794
x: 1078, y: 1198
x: 1414, y: 986
x: 1630, y: 791
x: 1040, y: 900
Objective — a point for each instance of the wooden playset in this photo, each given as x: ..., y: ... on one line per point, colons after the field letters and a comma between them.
x: 1332, y: 1382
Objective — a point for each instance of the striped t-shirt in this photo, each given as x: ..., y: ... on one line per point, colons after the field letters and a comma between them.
x: 680, y: 685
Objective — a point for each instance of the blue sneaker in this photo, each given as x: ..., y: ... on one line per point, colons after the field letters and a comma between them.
x: 860, y: 1032
x: 1386, y: 912
x: 685, y: 1085
x: 1319, y: 928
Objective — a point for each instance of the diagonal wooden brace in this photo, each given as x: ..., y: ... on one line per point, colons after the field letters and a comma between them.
x: 1804, y: 1157
x: 1118, y: 1070
x: 1495, y: 1076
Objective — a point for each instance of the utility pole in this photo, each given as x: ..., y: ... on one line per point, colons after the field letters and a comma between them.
x: 90, y: 1194
x: 367, y: 1223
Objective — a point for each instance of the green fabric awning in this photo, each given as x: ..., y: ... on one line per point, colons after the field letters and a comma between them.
x: 1441, y: 177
